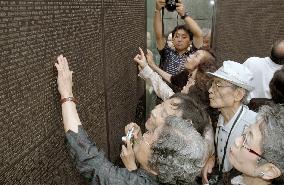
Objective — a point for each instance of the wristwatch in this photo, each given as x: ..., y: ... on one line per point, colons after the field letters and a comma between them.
x: 186, y: 14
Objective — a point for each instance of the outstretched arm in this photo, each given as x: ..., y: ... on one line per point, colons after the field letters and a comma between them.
x: 70, y: 115
x: 192, y: 25
x: 87, y: 158
x: 160, y: 40
x: 166, y: 76
x: 161, y: 89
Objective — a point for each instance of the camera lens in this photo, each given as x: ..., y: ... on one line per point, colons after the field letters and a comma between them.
x: 171, y: 5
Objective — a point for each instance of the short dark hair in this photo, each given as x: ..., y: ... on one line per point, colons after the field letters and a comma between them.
x: 182, y: 27
x: 277, y: 53
x: 276, y: 86
x: 193, y: 112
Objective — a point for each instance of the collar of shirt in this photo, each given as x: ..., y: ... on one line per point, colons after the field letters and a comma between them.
x: 272, y: 64
x: 229, y: 125
x: 187, y: 53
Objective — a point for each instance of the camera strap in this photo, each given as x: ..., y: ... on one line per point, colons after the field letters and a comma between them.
x: 163, y: 29
x: 226, y: 145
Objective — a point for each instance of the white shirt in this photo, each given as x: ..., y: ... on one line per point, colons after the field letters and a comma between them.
x: 238, y: 180
x: 263, y: 70
x: 246, y: 118
x: 161, y: 88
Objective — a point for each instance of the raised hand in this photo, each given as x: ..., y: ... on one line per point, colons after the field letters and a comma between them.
x: 140, y: 59
x: 180, y: 8
x: 64, y: 80
x: 160, y: 4
x: 137, y: 135
x: 127, y: 156
x: 150, y: 58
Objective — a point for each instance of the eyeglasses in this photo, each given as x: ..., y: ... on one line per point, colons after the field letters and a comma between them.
x: 218, y: 85
x: 250, y: 150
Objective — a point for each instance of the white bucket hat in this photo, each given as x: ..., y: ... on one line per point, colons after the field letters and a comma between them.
x: 235, y: 73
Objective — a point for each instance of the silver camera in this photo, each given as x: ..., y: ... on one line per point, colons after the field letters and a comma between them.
x: 129, y: 135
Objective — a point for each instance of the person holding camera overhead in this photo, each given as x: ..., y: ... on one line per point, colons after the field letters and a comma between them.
x: 173, y: 59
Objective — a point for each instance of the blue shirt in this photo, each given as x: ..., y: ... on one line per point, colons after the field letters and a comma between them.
x: 171, y: 61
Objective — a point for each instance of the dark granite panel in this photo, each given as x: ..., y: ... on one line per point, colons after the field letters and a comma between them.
x: 32, y: 34
x: 247, y: 28
x: 121, y: 109
x: 124, y: 32
x: 99, y: 39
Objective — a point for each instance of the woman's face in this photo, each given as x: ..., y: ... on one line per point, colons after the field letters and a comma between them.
x: 240, y: 156
x: 161, y: 111
x: 221, y: 94
x: 181, y: 40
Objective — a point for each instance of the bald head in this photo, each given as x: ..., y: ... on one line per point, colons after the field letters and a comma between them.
x: 277, y: 52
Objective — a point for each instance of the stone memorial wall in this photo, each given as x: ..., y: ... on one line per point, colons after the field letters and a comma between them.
x: 99, y: 39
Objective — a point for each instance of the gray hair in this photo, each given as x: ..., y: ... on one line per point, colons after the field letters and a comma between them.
x: 272, y: 130
x: 244, y: 100
x: 180, y: 152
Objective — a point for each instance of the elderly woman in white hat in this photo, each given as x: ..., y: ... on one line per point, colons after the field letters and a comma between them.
x: 230, y: 86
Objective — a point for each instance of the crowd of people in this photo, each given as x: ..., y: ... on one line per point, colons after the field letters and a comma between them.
x: 213, y: 126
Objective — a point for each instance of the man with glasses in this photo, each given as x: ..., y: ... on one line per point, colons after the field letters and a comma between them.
x: 245, y: 146
x: 259, y: 153
x: 228, y: 92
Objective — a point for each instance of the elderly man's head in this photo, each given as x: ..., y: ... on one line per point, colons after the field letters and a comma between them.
x: 230, y: 85
x: 259, y: 152
x: 277, y: 52
x: 179, y: 105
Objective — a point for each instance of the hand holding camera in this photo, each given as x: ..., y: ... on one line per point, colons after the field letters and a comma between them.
x: 127, y: 154
x: 160, y: 4
x: 129, y: 135
x: 132, y: 132
x: 171, y: 5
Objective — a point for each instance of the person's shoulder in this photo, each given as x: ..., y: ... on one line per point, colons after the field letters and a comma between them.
x: 253, y: 60
x: 165, y: 48
x: 249, y: 115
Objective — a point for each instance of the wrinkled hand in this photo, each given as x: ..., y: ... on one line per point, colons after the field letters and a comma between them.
x: 64, y: 79
x: 160, y: 4
x: 208, y: 168
x: 140, y: 59
x: 127, y: 156
x: 137, y: 135
x: 180, y: 8
x: 150, y: 59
